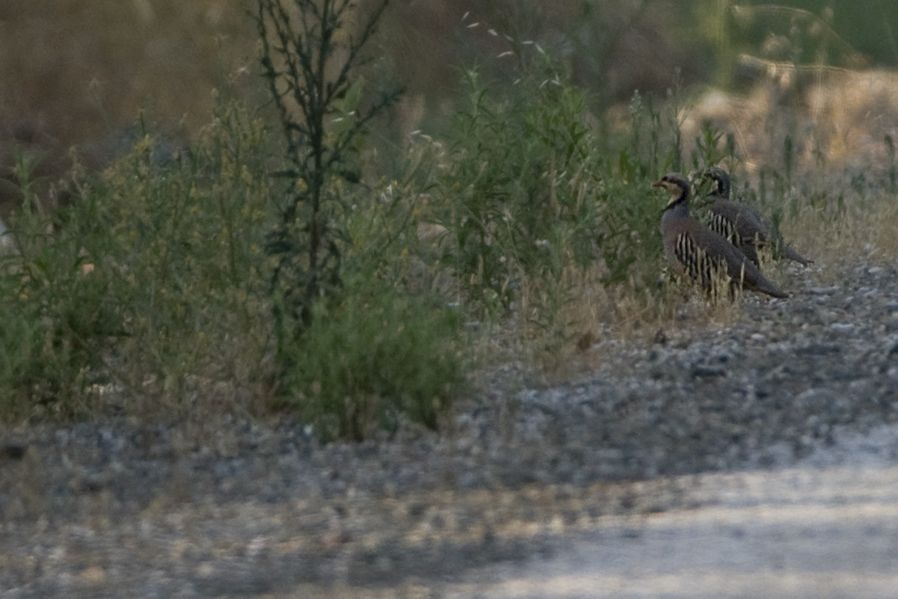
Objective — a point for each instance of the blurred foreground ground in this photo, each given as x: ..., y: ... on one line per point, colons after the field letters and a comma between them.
x: 825, y: 527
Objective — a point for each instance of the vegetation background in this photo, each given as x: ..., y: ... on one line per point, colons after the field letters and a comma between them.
x: 81, y: 71
x: 499, y: 208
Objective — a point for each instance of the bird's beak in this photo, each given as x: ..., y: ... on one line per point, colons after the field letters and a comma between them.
x: 658, y: 183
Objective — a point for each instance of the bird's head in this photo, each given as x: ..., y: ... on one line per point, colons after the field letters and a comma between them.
x: 718, y: 179
x: 676, y: 185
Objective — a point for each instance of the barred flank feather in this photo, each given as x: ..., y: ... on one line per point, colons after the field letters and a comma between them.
x: 698, y: 264
x: 748, y: 243
x: 725, y: 228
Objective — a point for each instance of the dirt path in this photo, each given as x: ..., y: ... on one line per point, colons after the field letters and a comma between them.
x: 826, y: 527
x: 670, y: 467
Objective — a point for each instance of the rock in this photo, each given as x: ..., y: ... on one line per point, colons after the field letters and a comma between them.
x: 13, y: 450
x: 707, y: 370
x: 819, y: 349
x: 892, y: 348
x: 822, y: 290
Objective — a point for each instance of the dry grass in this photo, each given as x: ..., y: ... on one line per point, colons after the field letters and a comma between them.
x: 835, y: 124
x: 594, y: 313
x: 864, y: 231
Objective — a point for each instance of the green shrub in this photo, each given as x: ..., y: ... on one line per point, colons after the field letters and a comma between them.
x: 311, y: 71
x: 148, y: 281
x: 355, y: 349
x: 182, y: 244
x: 56, y: 317
x: 152, y: 290
x: 373, y: 357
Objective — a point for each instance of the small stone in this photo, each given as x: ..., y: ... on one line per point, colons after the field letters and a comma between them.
x: 93, y: 575
x: 205, y: 570
x: 818, y: 349
x: 585, y: 341
x: 707, y: 371
x: 841, y: 327
x: 92, y: 483
x: 14, y: 450
x: 822, y: 290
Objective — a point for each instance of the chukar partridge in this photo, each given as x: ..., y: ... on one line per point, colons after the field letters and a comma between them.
x: 700, y: 253
x: 741, y: 224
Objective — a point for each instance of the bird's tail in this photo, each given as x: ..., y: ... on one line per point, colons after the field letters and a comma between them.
x: 773, y: 291
x: 753, y: 279
x: 790, y: 254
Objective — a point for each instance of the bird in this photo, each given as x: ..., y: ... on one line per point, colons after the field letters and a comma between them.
x: 741, y: 224
x: 698, y: 252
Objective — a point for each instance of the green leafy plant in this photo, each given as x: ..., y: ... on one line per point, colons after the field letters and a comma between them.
x: 518, y: 190
x: 356, y: 350
x: 309, y: 60
x: 529, y: 191
x: 182, y: 244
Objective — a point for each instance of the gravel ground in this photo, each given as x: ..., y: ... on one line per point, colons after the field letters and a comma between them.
x: 248, y: 509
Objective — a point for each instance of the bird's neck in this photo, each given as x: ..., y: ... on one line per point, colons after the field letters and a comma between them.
x: 723, y: 190
x: 680, y: 205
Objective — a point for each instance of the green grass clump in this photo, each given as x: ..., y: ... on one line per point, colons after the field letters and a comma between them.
x: 518, y: 192
x: 184, y: 251
x: 56, y: 320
